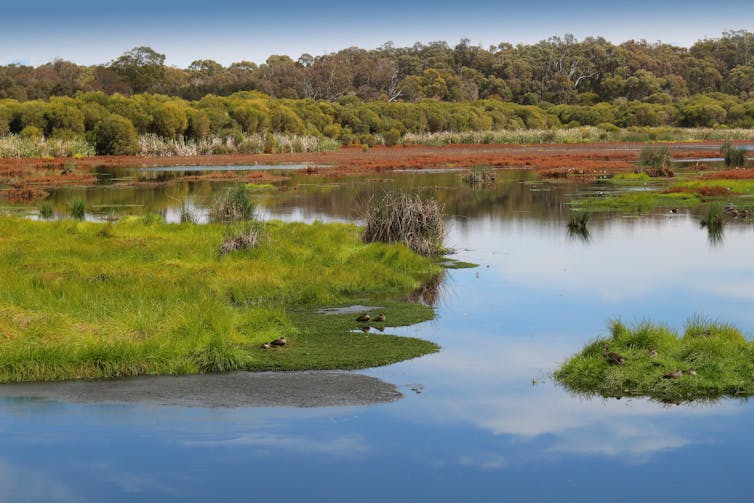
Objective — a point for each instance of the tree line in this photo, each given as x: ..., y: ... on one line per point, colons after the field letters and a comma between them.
x: 558, y: 71
x: 112, y: 123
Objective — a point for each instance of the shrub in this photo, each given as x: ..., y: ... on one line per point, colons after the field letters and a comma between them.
x: 407, y: 219
x: 116, y: 135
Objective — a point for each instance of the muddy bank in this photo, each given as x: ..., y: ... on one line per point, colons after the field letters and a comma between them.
x: 234, y: 389
x: 22, y: 178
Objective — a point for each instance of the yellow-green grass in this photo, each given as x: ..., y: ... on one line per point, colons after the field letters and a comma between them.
x: 719, y: 354
x: 638, y: 201
x: 90, y: 300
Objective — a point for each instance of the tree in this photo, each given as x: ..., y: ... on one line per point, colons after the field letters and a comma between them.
x: 115, y: 135
x: 142, y: 67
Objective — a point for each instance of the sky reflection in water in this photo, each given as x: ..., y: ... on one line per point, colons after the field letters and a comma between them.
x: 480, y: 420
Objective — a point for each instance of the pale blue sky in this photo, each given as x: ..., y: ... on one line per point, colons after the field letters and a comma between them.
x: 90, y: 32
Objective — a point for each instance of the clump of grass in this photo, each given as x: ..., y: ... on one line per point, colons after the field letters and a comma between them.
x: 77, y: 208
x: 709, y: 361
x: 735, y: 157
x: 242, y: 236
x: 234, y: 205
x: 479, y: 177
x: 152, y: 218
x: 655, y: 161
x: 407, y: 219
x: 187, y: 214
x: 46, y: 210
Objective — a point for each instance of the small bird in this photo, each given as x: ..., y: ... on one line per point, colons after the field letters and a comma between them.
x: 691, y: 371
x: 380, y: 318
x: 673, y: 374
x: 266, y: 345
x: 364, y: 318
x: 365, y: 329
x: 613, y: 358
x: 278, y: 342
x: 652, y: 353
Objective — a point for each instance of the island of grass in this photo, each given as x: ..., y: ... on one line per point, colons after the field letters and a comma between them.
x: 708, y: 362
x: 141, y: 297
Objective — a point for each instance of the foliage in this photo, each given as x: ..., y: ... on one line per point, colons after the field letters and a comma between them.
x: 116, y: 135
x: 90, y: 300
x: 709, y: 361
x: 409, y: 219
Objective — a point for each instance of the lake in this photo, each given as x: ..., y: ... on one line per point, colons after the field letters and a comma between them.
x: 481, y: 420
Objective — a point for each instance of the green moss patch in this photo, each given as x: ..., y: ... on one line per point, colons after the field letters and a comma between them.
x: 708, y: 361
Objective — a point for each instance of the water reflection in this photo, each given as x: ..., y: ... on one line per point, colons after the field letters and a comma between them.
x: 481, y: 419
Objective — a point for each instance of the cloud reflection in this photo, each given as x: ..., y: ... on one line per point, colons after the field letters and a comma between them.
x: 19, y: 483
x: 344, y: 446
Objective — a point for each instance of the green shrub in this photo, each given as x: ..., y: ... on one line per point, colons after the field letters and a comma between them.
x: 116, y: 135
x: 655, y: 161
x: 735, y: 157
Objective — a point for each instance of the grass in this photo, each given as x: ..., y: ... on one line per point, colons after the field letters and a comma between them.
x: 735, y: 157
x: 719, y: 354
x: 655, y: 161
x: 137, y: 297
x: 242, y: 236
x: 407, y: 219
x: 233, y: 205
x: 46, y: 210
x: 77, y: 208
x: 479, y: 177
x: 639, y: 201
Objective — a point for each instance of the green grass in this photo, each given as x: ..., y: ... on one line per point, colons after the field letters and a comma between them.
x: 721, y: 356
x: 638, y: 201
x: 89, y: 300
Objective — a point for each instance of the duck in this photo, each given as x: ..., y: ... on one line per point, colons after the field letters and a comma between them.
x: 673, y: 374
x: 691, y: 371
x: 278, y: 342
x: 266, y: 345
x: 652, y: 353
x: 613, y: 358
x: 380, y: 318
x: 365, y: 329
x: 364, y: 318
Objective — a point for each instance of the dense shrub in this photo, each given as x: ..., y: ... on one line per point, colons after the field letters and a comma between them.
x: 116, y: 135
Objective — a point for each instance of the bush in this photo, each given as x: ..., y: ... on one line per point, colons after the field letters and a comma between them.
x: 116, y: 135
x: 402, y: 218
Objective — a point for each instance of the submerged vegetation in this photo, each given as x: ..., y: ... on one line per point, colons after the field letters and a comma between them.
x: 409, y: 219
x: 90, y: 300
x: 708, y: 361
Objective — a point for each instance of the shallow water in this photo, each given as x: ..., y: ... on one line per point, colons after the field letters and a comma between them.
x: 480, y: 420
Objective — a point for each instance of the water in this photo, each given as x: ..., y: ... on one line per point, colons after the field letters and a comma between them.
x: 480, y: 420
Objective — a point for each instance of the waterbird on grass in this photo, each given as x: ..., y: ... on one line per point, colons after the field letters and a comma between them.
x: 673, y: 374
x: 652, y: 353
x: 266, y: 345
x: 365, y: 329
x: 278, y: 342
x: 611, y: 357
x: 380, y: 318
x: 364, y: 318
x: 691, y: 371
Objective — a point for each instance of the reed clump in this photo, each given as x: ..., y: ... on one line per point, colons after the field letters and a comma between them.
x: 234, y: 205
x: 655, y: 161
x: 242, y: 236
x: 479, y: 177
x: 403, y: 218
x: 734, y: 157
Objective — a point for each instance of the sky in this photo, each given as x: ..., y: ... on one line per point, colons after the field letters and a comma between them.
x: 96, y: 32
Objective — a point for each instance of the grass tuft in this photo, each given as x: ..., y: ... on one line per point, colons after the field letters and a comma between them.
x: 234, y: 205
x: 735, y: 157
x: 407, y: 219
x: 655, y: 161
x: 77, y: 208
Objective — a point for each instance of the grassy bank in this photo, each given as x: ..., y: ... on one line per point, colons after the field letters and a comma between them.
x: 708, y: 361
x: 87, y: 300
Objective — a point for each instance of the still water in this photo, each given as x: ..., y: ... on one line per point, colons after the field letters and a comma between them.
x: 480, y: 420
